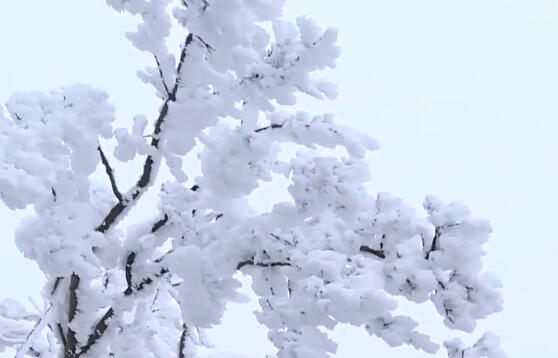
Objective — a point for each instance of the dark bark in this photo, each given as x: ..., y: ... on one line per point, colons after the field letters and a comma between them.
x: 110, y: 174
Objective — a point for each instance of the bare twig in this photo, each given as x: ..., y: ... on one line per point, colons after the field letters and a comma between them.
x: 161, y: 74
x: 110, y: 174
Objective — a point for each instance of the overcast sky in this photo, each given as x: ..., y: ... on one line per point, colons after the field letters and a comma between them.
x: 462, y: 95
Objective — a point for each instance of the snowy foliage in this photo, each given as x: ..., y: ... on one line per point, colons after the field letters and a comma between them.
x: 330, y: 253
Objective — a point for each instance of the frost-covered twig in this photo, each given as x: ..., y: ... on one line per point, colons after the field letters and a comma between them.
x: 29, y: 340
x: 110, y: 174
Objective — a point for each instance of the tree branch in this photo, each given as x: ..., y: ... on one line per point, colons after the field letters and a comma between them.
x: 271, y: 126
x: 161, y: 75
x: 379, y: 253
x: 110, y: 174
x: 71, y: 340
x: 114, y: 215
x: 98, y: 332
x: 27, y: 345
x: 149, y: 164
x: 434, y: 245
x: 250, y: 262
x: 182, y: 343
x: 159, y: 224
x: 128, y: 272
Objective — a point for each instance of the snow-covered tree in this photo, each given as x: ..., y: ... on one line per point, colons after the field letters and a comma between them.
x: 330, y: 253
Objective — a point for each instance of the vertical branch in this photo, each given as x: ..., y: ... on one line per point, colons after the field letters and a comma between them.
x: 71, y: 340
x: 182, y: 343
x: 128, y: 272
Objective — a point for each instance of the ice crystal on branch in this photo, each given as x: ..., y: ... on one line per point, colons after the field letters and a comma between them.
x: 330, y: 253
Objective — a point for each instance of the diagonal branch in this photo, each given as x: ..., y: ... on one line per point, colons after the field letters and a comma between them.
x: 32, y: 335
x: 98, y: 332
x: 132, y: 258
x: 161, y: 75
x: 434, y: 246
x: 110, y: 174
x: 149, y: 166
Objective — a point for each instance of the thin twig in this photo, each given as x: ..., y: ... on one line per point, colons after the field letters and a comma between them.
x: 271, y: 126
x: 37, y: 328
x: 251, y: 262
x: 161, y: 74
x: 110, y: 174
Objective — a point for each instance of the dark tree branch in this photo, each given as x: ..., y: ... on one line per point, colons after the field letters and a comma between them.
x: 379, y: 253
x: 272, y: 126
x: 55, y: 285
x: 434, y: 246
x: 98, y: 332
x: 61, y: 334
x: 128, y: 271
x: 250, y: 262
x: 71, y: 340
x: 148, y: 281
x: 110, y: 174
x: 182, y: 343
x: 161, y: 75
x: 149, y: 164
x: 159, y: 224
x: 132, y: 257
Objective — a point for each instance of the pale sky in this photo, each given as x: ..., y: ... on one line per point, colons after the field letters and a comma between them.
x: 462, y: 95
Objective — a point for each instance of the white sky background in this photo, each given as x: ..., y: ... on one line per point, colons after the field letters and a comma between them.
x: 463, y: 96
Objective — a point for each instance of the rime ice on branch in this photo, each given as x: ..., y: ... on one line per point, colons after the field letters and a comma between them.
x: 330, y: 253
